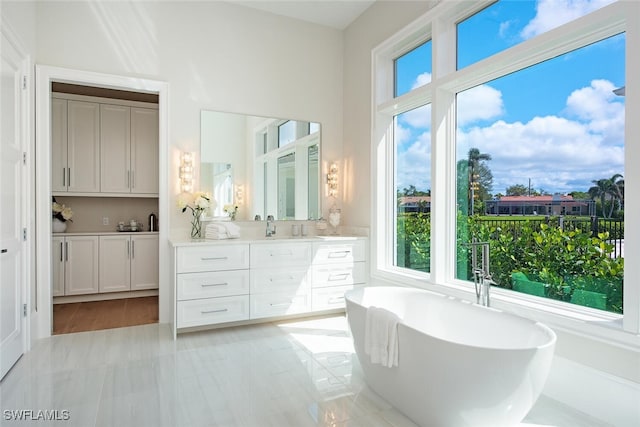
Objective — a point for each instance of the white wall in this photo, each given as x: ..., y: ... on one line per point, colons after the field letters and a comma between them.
x: 215, y: 56
x: 375, y: 25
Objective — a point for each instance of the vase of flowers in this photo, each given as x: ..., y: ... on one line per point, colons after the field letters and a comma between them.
x: 60, y: 215
x: 231, y: 210
x: 197, y: 202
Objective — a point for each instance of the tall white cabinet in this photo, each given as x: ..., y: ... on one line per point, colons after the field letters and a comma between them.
x: 75, y: 166
x: 128, y: 149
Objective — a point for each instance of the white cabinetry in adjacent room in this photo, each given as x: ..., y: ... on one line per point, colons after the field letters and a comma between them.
x: 128, y: 263
x: 75, y: 265
x: 75, y: 149
x: 144, y: 150
x: 129, y: 149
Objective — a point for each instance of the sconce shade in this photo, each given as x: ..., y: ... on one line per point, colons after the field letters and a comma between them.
x: 332, y: 180
x: 186, y: 172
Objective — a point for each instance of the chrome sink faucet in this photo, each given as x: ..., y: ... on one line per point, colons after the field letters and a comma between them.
x: 271, y: 227
x: 481, y: 273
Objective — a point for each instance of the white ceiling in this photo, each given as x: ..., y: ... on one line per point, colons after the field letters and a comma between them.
x: 333, y: 13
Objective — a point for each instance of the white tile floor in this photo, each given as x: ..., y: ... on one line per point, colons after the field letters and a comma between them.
x: 297, y: 373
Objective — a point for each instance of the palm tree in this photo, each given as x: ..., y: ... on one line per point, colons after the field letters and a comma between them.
x: 611, y: 187
x: 617, y: 181
x: 475, y: 161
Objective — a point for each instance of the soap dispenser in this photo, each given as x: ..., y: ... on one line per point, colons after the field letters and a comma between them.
x: 153, y: 222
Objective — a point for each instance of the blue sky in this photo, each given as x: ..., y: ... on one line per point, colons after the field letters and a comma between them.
x: 557, y: 123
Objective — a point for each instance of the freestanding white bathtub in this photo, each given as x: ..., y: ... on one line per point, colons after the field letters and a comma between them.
x: 460, y: 364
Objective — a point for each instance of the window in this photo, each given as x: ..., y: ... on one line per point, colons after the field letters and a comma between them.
x: 527, y: 147
x: 286, y: 133
x: 413, y: 69
x: 547, y: 142
x: 507, y: 23
x: 412, y: 142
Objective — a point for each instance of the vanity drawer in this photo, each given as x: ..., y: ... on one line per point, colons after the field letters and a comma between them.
x: 279, y: 279
x: 332, y: 252
x: 279, y: 304
x: 212, y: 258
x: 212, y: 284
x: 338, y: 274
x: 329, y: 298
x: 210, y: 311
x: 284, y: 254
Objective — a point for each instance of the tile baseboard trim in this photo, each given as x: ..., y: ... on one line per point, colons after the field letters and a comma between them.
x: 606, y: 397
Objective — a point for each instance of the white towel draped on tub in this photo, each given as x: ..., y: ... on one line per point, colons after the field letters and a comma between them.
x: 221, y: 230
x: 381, y: 336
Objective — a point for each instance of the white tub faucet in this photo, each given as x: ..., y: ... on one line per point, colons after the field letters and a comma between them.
x: 481, y: 273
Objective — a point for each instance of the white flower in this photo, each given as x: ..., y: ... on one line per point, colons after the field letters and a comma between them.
x: 67, y: 213
x: 197, y: 202
x: 62, y: 212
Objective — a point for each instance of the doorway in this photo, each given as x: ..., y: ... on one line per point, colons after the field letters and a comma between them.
x: 42, y: 321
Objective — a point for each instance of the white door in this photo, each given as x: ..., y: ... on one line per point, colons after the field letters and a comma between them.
x: 115, y: 148
x: 115, y: 264
x: 12, y: 248
x: 81, y: 265
x: 144, y: 262
x: 144, y: 151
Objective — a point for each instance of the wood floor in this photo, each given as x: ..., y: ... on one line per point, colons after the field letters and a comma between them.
x: 96, y: 315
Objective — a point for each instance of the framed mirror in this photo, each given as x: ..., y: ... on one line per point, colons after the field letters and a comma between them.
x: 263, y: 165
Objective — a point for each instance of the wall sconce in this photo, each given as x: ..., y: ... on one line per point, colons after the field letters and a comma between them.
x: 239, y: 194
x: 332, y: 180
x: 186, y: 172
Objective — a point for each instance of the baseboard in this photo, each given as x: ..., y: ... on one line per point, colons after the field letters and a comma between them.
x: 611, y: 399
x: 105, y: 296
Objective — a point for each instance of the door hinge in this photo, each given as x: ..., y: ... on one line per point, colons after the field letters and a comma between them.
x: 24, y: 82
x: 24, y: 157
x: 24, y: 310
x: 24, y: 234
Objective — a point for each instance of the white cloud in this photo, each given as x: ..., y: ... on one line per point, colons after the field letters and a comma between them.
x: 553, y: 13
x: 422, y: 80
x: 418, y: 118
x: 414, y: 164
x: 596, y: 105
x: 556, y: 153
x: 479, y: 103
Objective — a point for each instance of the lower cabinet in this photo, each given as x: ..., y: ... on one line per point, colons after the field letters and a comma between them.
x: 75, y: 265
x: 212, y: 284
x: 221, y: 282
x: 128, y: 263
x: 94, y: 264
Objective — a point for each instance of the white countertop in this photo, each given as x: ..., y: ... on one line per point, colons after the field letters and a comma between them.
x: 283, y: 239
x: 102, y: 233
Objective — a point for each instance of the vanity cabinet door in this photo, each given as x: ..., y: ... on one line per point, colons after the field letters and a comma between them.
x: 281, y: 254
x: 115, y: 266
x: 144, y: 150
x: 212, y: 257
x: 144, y: 262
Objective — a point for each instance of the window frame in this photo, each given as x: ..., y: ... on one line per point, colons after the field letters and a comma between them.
x: 439, y: 25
